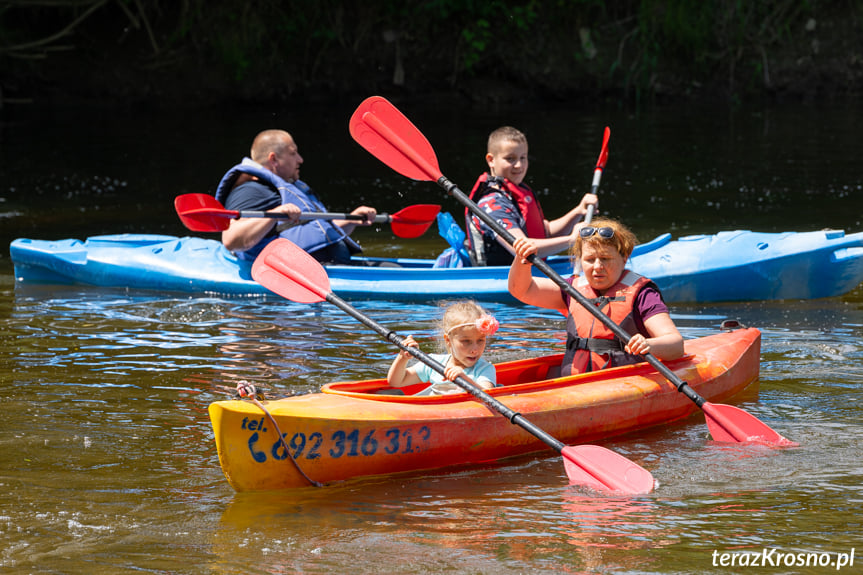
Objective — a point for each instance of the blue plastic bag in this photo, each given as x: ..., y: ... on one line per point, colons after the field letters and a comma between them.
x: 456, y: 255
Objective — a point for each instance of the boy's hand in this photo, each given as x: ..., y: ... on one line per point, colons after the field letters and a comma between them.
x: 587, y: 200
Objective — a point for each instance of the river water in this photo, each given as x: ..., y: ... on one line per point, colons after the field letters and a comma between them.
x: 108, y: 463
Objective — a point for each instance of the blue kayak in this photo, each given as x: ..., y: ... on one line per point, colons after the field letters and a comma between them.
x: 728, y: 266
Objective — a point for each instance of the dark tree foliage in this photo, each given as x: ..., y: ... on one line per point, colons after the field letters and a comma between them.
x: 487, y: 49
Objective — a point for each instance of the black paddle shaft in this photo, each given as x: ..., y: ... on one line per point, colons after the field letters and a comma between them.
x: 307, y: 216
x: 461, y: 381
x: 542, y: 266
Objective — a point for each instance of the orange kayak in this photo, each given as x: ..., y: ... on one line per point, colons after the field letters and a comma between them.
x: 351, y: 430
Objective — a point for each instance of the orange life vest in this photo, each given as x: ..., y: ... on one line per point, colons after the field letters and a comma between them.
x: 525, y: 202
x: 590, y: 345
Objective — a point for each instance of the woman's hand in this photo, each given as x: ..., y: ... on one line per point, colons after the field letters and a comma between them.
x: 524, y: 248
x: 638, y: 345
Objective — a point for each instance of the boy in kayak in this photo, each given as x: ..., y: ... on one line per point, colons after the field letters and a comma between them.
x: 630, y: 300
x: 270, y: 181
x: 466, y: 328
x: 501, y: 193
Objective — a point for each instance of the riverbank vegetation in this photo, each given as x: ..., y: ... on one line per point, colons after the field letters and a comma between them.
x: 171, y: 51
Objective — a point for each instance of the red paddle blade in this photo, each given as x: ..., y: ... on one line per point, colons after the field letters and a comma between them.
x: 413, y: 221
x: 388, y: 135
x: 597, y: 173
x: 284, y: 268
x: 733, y: 425
x: 603, y: 154
x: 202, y: 213
x: 601, y: 469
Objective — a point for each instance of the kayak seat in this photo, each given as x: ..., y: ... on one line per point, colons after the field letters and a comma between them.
x: 406, y: 390
x: 529, y: 371
x: 380, y: 263
x: 553, y: 372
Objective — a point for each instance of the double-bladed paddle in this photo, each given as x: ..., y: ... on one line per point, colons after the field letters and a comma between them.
x: 597, y: 172
x: 204, y: 213
x: 292, y: 273
x: 385, y: 132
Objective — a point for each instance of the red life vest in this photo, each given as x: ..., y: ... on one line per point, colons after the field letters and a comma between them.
x: 590, y: 345
x: 525, y: 202
x: 524, y: 199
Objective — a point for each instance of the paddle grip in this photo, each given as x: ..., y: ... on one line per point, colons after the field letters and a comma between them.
x: 379, y: 219
x: 597, y: 173
x: 308, y: 216
x: 542, y: 266
x: 691, y: 394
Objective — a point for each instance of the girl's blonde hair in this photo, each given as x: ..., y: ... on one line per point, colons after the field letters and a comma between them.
x: 623, y: 240
x: 459, y: 313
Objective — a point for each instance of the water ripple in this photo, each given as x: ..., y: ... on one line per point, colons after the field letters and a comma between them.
x: 123, y: 383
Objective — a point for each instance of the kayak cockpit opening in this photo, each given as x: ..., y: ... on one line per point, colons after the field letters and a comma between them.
x: 520, y: 376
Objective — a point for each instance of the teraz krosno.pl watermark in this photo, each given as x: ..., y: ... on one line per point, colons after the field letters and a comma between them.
x: 770, y: 557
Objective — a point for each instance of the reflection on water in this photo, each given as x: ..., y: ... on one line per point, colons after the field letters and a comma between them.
x: 109, y: 464
x: 610, y: 522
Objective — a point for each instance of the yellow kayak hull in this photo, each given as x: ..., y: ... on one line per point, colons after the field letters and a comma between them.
x: 351, y: 430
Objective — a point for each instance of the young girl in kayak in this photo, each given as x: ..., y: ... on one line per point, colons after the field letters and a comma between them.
x: 466, y: 328
x: 630, y: 300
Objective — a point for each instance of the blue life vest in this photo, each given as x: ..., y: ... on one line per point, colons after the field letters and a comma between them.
x: 310, y: 236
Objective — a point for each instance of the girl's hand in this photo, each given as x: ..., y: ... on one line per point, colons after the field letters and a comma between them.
x: 637, y: 345
x: 409, y: 342
x: 452, y: 372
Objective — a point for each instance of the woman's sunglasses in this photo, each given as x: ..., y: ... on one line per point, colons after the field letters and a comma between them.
x: 604, y: 232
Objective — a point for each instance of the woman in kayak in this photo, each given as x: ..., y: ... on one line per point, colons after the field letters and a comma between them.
x: 601, y: 250
x: 466, y: 328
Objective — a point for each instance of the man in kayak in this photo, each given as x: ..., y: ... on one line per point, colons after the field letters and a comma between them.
x: 630, y: 300
x: 270, y: 181
x: 501, y: 193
